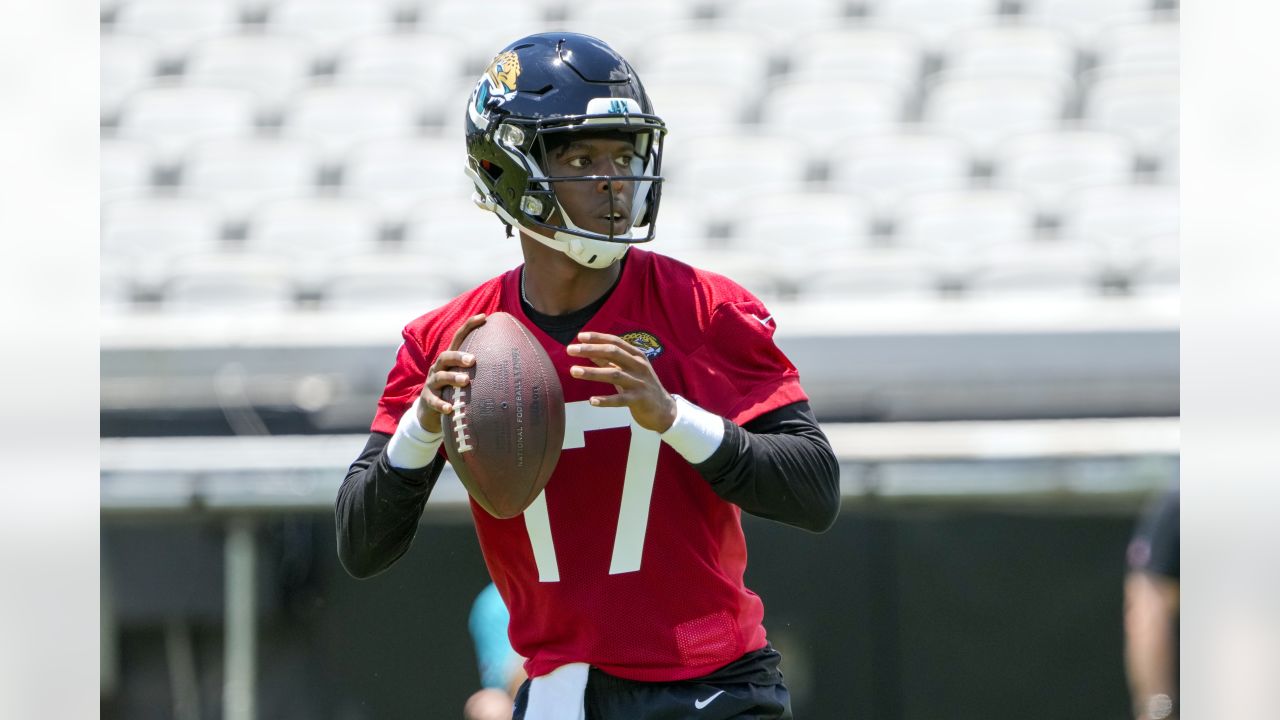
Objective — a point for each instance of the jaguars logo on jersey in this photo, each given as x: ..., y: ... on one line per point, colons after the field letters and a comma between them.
x: 647, y: 343
x: 498, y: 81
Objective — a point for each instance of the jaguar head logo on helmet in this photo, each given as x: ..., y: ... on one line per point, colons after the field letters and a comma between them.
x: 540, y: 95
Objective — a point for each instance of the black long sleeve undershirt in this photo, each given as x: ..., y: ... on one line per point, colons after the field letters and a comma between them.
x: 778, y: 466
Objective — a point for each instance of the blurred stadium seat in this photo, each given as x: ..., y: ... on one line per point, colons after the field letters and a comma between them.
x: 733, y: 170
x: 933, y: 21
x: 1149, y: 46
x: 704, y: 55
x: 129, y: 63
x: 149, y: 233
x: 431, y: 65
x: 238, y: 174
x: 693, y: 109
x: 488, y: 27
x: 962, y: 221
x: 625, y: 29
x: 176, y: 26
x: 1122, y: 213
x: 1049, y: 165
x: 883, y: 169
x: 781, y: 24
x: 398, y: 172
x: 1084, y: 18
x: 329, y: 24
x: 1140, y: 104
x: 337, y: 117
x: 272, y: 67
x: 435, y: 227
x: 385, y: 281
x: 985, y: 111
x: 171, y: 117
x: 822, y: 112
x: 307, y: 227
x: 227, y: 283
x: 1010, y: 50
x: 892, y: 57
x: 125, y: 168
x: 799, y: 232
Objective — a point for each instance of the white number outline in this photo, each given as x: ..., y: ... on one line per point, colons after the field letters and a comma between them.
x: 637, y: 490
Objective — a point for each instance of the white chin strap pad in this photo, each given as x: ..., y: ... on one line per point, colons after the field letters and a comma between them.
x: 595, y: 254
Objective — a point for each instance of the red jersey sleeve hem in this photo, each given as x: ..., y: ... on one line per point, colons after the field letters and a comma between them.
x: 766, y: 398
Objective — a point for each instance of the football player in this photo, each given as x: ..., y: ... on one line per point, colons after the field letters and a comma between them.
x: 625, y: 587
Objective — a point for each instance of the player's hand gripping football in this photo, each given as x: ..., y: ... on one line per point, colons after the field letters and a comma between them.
x: 442, y: 373
x: 624, y: 366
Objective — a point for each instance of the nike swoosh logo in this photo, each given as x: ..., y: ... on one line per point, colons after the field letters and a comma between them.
x: 699, y: 704
x: 764, y: 322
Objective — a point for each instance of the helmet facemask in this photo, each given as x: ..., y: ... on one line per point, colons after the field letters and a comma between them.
x: 520, y: 190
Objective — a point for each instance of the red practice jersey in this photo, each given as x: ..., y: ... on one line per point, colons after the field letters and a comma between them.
x: 628, y: 560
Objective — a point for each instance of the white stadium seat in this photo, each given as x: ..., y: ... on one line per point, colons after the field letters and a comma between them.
x: 1170, y: 154
x: 338, y: 117
x: 963, y: 220
x: 432, y: 65
x: 1132, y: 229
x: 782, y: 23
x: 1141, y: 105
x: 238, y: 174
x: 487, y: 27
x: 1058, y: 269
x: 1006, y: 50
x: 822, y: 112
x: 172, y: 117
x: 932, y: 20
x: 437, y: 229
x: 733, y: 58
x: 625, y: 29
x: 125, y: 167
x: 1122, y: 213
x: 230, y: 284
x: 311, y: 227
x: 1084, y: 18
x: 985, y: 111
x: 271, y: 67
x: 723, y: 173
x: 799, y: 232
x: 1151, y: 46
x: 397, y: 173
x: 682, y: 227
x: 891, y: 57
x: 885, y: 168
x: 175, y: 26
x: 128, y: 64
x: 693, y: 109
x: 411, y: 285
x: 150, y: 232
x: 329, y: 24
x: 875, y: 272
x: 1049, y: 165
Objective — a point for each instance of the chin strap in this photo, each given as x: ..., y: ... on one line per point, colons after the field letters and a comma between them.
x: 584, y: 251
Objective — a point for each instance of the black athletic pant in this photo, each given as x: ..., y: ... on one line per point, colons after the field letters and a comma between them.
x: 749, y: 688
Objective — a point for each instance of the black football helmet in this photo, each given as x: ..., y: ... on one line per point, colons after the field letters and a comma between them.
x: 537, y: 88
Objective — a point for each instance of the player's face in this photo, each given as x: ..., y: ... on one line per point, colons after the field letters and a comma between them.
x: 603, y: 205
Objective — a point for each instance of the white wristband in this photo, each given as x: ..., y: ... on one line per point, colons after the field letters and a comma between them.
x: 696, y: 433
x: 412, y: 447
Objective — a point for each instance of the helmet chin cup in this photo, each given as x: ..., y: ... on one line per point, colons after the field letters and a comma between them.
x: 595, y: 254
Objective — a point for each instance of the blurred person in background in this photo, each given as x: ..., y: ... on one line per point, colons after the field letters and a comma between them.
x: 501, y: 670
x: 1151, y: 612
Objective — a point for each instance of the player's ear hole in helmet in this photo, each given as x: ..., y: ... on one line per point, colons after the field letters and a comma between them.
x: 540, y: 93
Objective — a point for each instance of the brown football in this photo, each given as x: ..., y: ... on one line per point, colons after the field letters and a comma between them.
x: 507, y: 427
